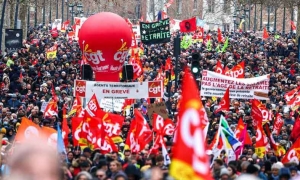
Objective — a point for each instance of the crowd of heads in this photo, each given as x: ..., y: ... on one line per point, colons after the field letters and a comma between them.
x: 27, y: 77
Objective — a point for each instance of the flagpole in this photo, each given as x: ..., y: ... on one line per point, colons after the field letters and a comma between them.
x: 82, y: 76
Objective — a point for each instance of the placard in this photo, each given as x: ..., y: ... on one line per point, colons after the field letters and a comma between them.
x: 215, y: 84
x: 13, y: 39
x: 158, y: 108
x: 155, y: 32
x: 112, y: 104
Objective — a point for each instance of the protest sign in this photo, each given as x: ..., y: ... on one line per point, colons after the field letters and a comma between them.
x: 156, y: 32
x: 130, y: 90
x: 112, y: 104
x: 44, y: 105
x: 215, y: 84
x: 13, y: 39
x: 158, y: 108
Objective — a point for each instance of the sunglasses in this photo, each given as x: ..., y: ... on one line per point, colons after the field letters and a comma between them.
x: 100, y: 175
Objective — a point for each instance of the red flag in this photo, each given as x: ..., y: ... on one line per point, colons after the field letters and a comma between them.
x: 289, y: 96
x: 65, y: 127
x: 168, y: 65
x: 139, y: 133
x: 220, y: 36
x: 256, y: 113
x: 75, y: 109
x: 279, y: 151
x: 260, y: 145
x: 265, y: 34
x: 294, y: 27
x: 65, y: 25
x: 189, y: 148
x: 21, y: 75
x: 164, y: 15
x: 137, y: 66
x: 278, y: 123
x: 158, y: 122
x: 295, y: 102
x: 241, y: 130
x: 169, y: 128
x: 237, y: 71
x: 225, y: 102
x: 219, y: 68
x: 51, y: 109
x: 188, y: 25
x: 293, y: 154
x: 74, y: 27
x: 296, y: 130
x: 113, y: 124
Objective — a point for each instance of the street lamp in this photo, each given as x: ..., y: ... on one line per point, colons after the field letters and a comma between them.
x: 80, y: 10
x: 71, y: 10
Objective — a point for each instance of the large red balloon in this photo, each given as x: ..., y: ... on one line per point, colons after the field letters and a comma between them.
x: 105, y: 39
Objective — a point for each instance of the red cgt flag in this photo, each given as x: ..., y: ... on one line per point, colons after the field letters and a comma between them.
x: 219, y: 68
x: 188, y: 25
x: 225, y: 102
x: 289, y: 96
x: 256, y: 113
x: 293, y: 154
x: 65, y: 127
x: 265, y: 34
x: 189, y: 158
x: 278, y: 123
x: 237, y: 71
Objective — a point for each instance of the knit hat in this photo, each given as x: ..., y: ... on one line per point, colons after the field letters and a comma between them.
x: 284, y: 172
x: 277, y: 166
x: 251, y: 169
x: 224, y: 171
x: 3, y: 130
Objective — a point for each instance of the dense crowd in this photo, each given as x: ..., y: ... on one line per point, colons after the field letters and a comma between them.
x: 27, y: 76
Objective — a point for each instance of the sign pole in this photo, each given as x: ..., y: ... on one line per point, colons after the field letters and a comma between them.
x: 176, y: 54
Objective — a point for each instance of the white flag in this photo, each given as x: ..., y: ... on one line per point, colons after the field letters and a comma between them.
x: 167, y: 159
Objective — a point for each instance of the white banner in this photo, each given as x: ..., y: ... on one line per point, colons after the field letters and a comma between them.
x: 123, y: 90
x: 112, y: 104
x: 214, y: 84
x: 57, y: 24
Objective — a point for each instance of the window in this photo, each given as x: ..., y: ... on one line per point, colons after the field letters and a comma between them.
x: 195, y: 4
x: 211, y: 6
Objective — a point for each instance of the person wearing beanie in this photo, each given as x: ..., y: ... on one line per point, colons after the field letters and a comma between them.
x: 294, y: 171
x: 224, y: 174
x: 275, y: 171
x: 284, y: 174
x: 253, y: 170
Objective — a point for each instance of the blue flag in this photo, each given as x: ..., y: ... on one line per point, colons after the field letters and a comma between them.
x: 159, y: 16
x: 60, y: 142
